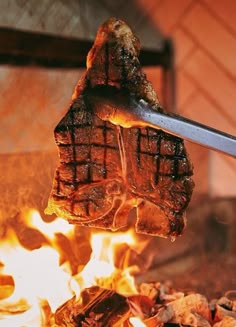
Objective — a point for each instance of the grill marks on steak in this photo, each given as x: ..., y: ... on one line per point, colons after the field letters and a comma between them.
x: 159, y: 177
x: 105, y: 169
x: 89, y: 164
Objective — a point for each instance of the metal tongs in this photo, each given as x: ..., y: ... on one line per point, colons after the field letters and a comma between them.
x: 123, y: 109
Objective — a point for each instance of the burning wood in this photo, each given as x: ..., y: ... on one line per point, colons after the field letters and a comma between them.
x: 105, y: 169
x: 100, y: 307
x: 105, y: 308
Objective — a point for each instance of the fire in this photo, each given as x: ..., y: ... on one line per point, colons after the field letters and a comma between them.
x: 35, y: 282
x: 136, y: 322
x: 36, y: 277
x: 101, y: 269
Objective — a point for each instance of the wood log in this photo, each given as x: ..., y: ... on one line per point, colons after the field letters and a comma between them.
x: 100, y: 307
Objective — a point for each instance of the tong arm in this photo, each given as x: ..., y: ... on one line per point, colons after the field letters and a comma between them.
x: 127, y: 111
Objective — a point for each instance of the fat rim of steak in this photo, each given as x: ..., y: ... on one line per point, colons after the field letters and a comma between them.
x: 105, y: 170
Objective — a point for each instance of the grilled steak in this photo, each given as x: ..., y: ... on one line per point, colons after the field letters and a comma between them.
x: 105, y: 169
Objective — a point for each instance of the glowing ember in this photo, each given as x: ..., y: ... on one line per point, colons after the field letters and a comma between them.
x: 33, y: 284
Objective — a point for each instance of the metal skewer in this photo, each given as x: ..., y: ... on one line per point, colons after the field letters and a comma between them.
x: 127, y: 111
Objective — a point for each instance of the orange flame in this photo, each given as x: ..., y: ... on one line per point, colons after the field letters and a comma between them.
x: 136, y: 322
x: 101, y: 270
x: 37, y: 276
x: 33, y: 282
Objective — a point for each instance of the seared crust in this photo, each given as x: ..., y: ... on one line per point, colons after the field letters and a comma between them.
x: 105, y: 169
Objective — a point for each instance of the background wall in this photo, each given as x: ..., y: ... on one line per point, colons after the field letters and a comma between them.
x: 204, y: 32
